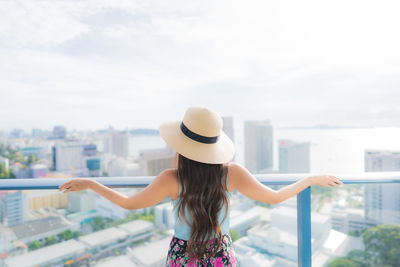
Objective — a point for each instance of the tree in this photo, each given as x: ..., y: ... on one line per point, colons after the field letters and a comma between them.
x: 34, y: 245
x: 234, y: 235
x: 357, y: 256
x: 355, y: 233
x: 130, y: 217
x: 115, y: 223
x: 5, y: 173
x: 11, y: 150
x: 146, y: 217
x: 342, y: 262
x: 17, y: 157
x: 76, y: 234
x: 50, y: 240
x: 98, y: 223
x: 11, y: 174
x: 3, y: 150
x: 32, y: 159
x: 382, y: 245
x: 67, y: 234
x: 355, y: 253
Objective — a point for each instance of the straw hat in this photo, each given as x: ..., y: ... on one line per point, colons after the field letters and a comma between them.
x: 199, y: 136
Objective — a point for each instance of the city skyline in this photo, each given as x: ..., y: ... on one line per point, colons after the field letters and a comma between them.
x: 151, y: 130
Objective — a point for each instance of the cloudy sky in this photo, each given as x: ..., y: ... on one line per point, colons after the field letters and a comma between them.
x: 90, y: 64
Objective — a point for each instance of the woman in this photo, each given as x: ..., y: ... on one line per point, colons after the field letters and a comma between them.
x: 200, y: 188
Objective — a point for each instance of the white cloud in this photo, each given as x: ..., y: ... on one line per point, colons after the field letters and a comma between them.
x: 138, y: 62
x: 31, y: 23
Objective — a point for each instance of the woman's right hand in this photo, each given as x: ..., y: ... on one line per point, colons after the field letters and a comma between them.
x: 77, y: 184
x: 326, y: 180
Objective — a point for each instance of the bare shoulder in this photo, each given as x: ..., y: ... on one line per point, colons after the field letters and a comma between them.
x: 245, y: 183
x: 170, y: 179
x: 169, y: 176
x: 235, y: 174
x: 169, y: 173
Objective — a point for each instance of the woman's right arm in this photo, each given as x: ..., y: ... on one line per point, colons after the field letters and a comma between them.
x: 249, y: 186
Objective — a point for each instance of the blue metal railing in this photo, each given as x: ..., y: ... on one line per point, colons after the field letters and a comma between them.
x: 303, y: 198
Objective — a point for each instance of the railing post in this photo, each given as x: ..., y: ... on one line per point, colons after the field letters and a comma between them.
x: 304, y: 228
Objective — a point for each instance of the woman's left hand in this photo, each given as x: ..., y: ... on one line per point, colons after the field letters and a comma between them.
x: 77, y: 184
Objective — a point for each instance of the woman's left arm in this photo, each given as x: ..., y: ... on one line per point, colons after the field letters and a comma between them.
x: 155, y: 192
x: 161, y: 188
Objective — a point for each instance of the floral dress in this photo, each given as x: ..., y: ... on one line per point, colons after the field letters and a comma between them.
x: 224, y: 257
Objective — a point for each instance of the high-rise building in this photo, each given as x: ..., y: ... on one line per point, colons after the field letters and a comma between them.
x: 14, y: 208
x: 382, y: 201
x: 90, y: 150
x: 39, y: 199
x: 258, y: 146
x: 94, y: 166
x: 37, y: 133
x: 69, y: 158
x: 77, y: 159
x: 117, y: 167
x: 227, y: 127
x: 93, y: 161
x: 59, y: 132
x: 17, y: 133
x: 154, y: 161
x: 294, y: 157
x: 117, y: 143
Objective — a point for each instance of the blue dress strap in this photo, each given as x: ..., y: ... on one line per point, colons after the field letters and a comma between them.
x: 179, y: 185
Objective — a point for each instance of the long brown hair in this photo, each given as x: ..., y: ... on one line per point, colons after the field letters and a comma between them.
x: 203, y: 194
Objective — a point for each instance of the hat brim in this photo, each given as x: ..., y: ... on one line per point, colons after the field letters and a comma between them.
x: 217, y: 153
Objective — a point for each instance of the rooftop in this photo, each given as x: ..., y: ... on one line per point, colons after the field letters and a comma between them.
x: 137, y: 227
x: 39, y: 226
x: 46, y: 254
x: 104, y: 236
x: 121, y: 261
x: 334, y: 240
x: 275, y: 235
x: 151, y: 254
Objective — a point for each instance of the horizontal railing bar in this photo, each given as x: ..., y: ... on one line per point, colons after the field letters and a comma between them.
x: 142, y: 181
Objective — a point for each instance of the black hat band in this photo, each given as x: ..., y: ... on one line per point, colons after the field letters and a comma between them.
x: 197, y: 137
